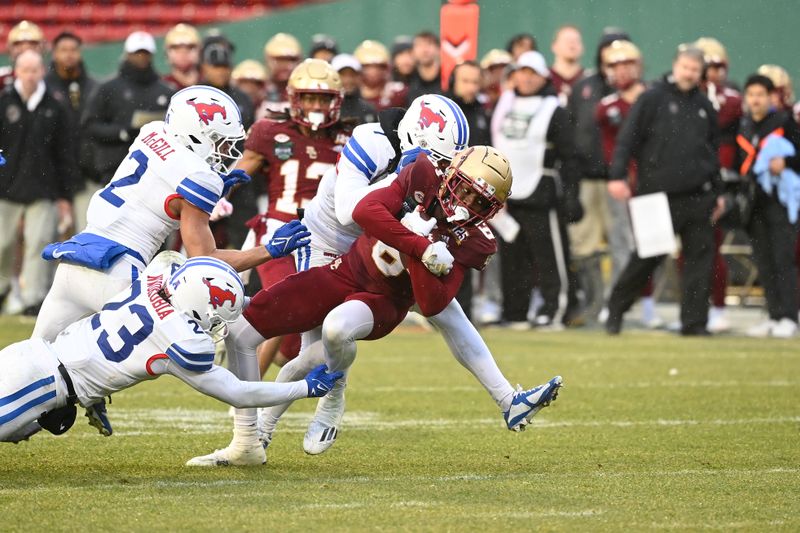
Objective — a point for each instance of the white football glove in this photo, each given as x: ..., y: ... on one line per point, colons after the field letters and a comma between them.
x: 222, y: 209
x: 416, y: 224
x: 438, y: 259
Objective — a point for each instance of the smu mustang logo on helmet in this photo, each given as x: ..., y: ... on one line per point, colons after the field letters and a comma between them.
x: 427, y: 117
x: 219, y: 295
x: 207, y: 111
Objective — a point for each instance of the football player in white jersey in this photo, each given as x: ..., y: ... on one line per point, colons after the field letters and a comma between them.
x: 174, y: 174
x: 433, y: 124
x: 164, y: 323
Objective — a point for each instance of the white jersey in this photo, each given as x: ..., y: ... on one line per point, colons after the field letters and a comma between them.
x: 133, y: 209
x: 328, y: 216
x: 117, y: 347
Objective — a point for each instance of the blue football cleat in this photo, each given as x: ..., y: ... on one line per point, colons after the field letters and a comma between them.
x: 526, y: 404
x: 98, y: 418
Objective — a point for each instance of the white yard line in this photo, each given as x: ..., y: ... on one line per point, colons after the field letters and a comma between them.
x: 131, y: 423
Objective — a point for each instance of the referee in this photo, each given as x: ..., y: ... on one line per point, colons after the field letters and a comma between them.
x: 672, y: 134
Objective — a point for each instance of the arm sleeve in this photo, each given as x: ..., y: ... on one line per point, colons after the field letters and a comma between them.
x: 201, y: 189
x: 432, y: 293
x: 628, y: 139
x: 376, y: 214
x: 221, y: 384
x: 364, y: 156
x: 98, y: 118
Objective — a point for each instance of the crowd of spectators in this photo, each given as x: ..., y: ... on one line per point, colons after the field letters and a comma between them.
x: 581, y: 142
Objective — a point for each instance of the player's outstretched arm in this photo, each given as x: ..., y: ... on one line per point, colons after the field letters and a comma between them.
x: 221, y: 384
x: 198, y: 240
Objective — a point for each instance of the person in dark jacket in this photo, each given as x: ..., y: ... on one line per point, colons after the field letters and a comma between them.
x: 673, y: 135
x: 535, y: 134
x: 427, y: 78
x: 37, y: 181
x: 216, y: 70
x: 772, y: 226
x: 355, y: 110
x: 605, y: 221
x: 122, y: 105
x: 70, y: 84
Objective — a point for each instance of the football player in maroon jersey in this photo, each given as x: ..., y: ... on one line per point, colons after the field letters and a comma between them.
x: 293, y: 155
x: 623, y: 62
x: 728, y: 103
x: 364, y: 294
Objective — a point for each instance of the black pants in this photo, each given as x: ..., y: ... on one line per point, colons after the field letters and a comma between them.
x: 542, y: 247
x: 773, y: 238
x: 691, y: 219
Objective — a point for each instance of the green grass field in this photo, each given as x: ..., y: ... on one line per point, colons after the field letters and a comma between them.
x: 650, y: 432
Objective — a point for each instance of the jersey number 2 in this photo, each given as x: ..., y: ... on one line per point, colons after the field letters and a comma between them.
x: 108, y: 195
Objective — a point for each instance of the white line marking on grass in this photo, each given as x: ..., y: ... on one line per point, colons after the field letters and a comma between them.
x: 436, y: 389
x: 145, y: 422
x: 543, y: 514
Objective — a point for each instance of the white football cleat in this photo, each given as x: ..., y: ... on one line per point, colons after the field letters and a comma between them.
x: 526, y: 403
x: 324, y: 428
x: 232, y: 456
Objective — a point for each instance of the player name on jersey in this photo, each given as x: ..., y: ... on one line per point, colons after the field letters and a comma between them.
x: 160, y: 146
x: 162, y: 307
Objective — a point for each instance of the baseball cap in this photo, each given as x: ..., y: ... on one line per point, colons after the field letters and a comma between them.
x: 534, y: 61
x: 140, y: 40
x: 320, y: 41
x: 345, y: 61
x: 217, y: 54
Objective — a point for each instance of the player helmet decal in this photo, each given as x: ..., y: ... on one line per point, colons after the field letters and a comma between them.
x: 315, y: 76
x: 478, y: 169
x: 428, y: 117
x: 436, y: 124
x: 218, y: 295
x: 208, y: 291
x: 207, y: 111
x: 208, y: 122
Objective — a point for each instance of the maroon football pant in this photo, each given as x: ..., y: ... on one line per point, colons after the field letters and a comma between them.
x: 271, y: 273
x: 302, y: 301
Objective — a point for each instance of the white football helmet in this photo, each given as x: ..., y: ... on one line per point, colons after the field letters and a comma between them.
x: 436, y: 124
x: 208, y: 122
x: 208, y: 291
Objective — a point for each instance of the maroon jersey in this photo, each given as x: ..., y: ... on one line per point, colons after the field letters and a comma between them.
x: 394, y: 94
x: 728, y: 103
x: 377, y: 257
x: 382, y: 269
x: 173, y: 82
x: 563, y: 86
x: 293, y: 163
x: 610, y: 113
x: 6, y: 77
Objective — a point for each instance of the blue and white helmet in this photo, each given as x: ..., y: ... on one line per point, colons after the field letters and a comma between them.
x: 208, y: 291
x: 436, y: 124
x: 209, y: 123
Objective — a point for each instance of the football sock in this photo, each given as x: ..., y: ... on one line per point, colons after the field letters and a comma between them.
x: 469, y: 348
